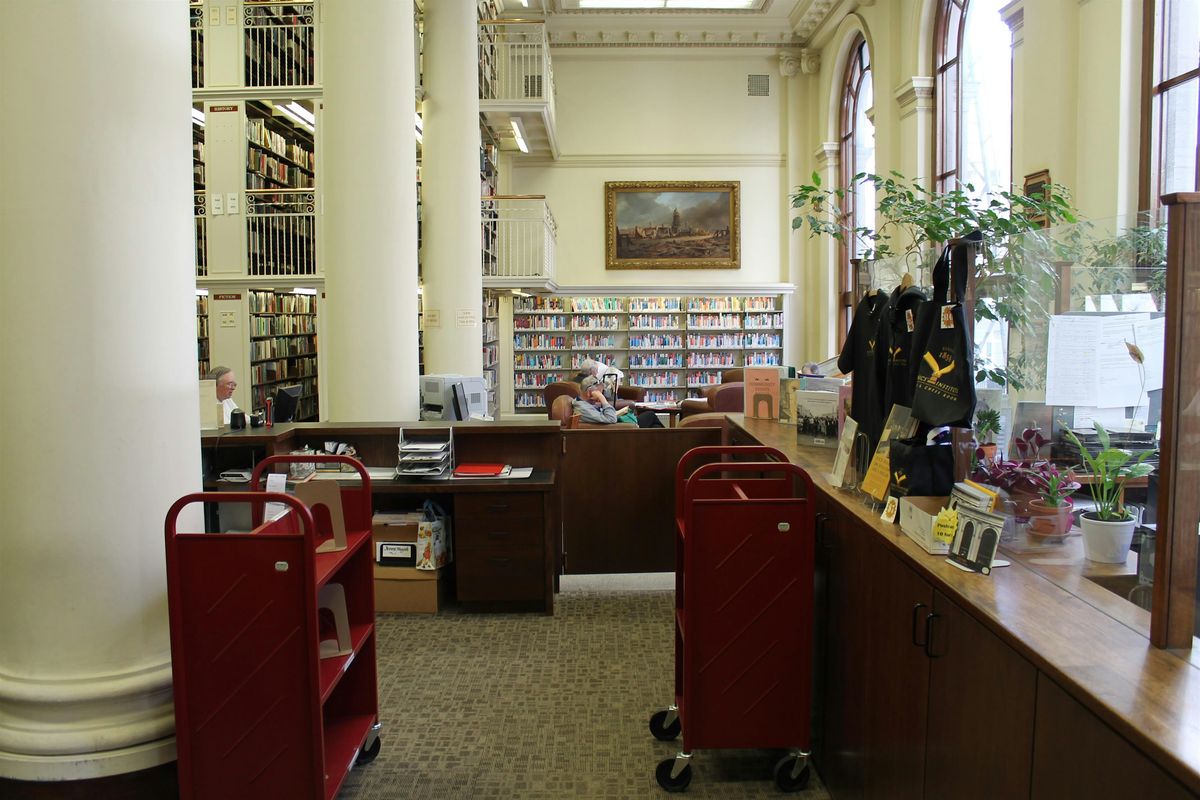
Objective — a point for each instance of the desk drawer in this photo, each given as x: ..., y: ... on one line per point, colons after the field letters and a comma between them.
x: 498, y: 531
x: 500, y: 574
x: 498, y: 504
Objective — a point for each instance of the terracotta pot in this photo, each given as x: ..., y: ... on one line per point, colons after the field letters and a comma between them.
x: 1048, y: 520
x: 1106, y: 542
x: 989, y: 451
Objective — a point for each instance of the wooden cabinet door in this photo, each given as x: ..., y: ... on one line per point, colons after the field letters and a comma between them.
x: 844, y: 590
x: 897, y: 678
x: 1075, y: 754
x: 981, y: 710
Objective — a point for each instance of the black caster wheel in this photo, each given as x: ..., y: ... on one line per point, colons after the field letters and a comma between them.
x: 367, y: 754
x: 659, y: 727
x: 786, y: 776
x: 677, y: 784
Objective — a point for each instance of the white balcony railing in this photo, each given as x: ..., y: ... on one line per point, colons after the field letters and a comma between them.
x: 201, y: 214
x: 514, y: 61
x: 280, y: 43
x: 281, y: 232
x: 525, y: 237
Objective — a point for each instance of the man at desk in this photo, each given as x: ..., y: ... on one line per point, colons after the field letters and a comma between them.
x: 226, y: 383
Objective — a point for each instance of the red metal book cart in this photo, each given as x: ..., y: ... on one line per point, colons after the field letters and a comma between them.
x: 258, y: 712
x: 743, y: 611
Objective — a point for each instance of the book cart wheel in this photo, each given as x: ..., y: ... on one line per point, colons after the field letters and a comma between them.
x: 792, y: 773
x: 367, y: 754
x: 673, y: 777
x: 664, y: 725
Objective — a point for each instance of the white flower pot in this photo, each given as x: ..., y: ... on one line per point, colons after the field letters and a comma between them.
x: 1106, y: 542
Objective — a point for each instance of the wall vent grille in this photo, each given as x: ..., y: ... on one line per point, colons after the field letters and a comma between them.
x: 758, y: 85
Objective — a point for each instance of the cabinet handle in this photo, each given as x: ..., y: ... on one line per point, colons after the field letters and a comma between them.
x: 929, y: 634
x: 498, y: 534
x: 915, y: 610
x: 500, y: 561
x: 498, y: 507
x: 821, y: 521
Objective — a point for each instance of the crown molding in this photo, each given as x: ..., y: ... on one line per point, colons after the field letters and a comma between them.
x: 636, y: 161
x: 809, y: 15
x: 914, y: 94
x: 627, y: 288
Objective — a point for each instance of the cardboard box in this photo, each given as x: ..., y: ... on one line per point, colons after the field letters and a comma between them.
x: 917, y: 515
x: 394, y: 540
x: 410, y: 590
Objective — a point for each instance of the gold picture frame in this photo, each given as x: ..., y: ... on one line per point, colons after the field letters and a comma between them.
x: 672, y: 225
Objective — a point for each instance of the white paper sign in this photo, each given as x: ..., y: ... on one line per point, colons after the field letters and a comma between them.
x: 845, y: 448
x: 1088, y: 361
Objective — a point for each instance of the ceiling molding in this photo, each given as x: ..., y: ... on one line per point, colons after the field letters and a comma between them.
x: 638, y: 161
x: 556, y: 10
x: 625, y: 289
x: 809, y: 15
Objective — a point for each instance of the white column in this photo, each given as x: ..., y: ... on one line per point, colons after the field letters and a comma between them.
x: 792, y: 90
x: 451, y: 219
x: 823, y: 274
x: 370, y: 213
x: 914, y: 106
x: 100, y: 415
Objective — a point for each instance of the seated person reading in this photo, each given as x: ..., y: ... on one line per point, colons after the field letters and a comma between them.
x: 592, y: 406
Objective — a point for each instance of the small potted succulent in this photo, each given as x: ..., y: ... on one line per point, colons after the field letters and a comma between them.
x: 1108, y: 530
x: 987, y: 425
x: 1050, y: 513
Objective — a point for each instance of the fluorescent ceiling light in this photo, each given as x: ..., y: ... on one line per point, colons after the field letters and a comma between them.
x: 202, y: 293
x: 519, y: 293
x: 722, y: 4
x: 519, y: 134
x: 198, y: 117
x: 294, y: 117
x: 302, y: 290
x: 301, y: 112
x: 420, y: 128
x: 729, y: 5
x: 621, y: 4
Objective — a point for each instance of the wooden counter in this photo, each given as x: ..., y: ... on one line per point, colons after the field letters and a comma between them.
x: 506, y: 532
x: 1059, y: 644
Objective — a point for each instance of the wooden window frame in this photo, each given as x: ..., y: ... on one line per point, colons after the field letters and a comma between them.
x: 1155, y: 87
x: 858, y: 68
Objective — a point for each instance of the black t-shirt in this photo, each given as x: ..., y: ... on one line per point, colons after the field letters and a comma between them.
x: 900, y: 320
x: 863, y: 355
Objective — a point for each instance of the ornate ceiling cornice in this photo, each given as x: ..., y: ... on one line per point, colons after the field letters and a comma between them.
x: 808, y: 16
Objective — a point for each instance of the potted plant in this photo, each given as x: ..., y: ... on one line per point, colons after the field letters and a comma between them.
x: 1029, y: 444
x: 1108, y: 530
x: 1050, y: 513
x: 987, y: 425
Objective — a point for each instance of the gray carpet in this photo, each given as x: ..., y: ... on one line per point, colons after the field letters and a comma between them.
x: 527, y: 706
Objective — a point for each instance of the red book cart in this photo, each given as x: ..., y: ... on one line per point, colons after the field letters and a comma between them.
x: 258, y: 712
x: 743, y: 611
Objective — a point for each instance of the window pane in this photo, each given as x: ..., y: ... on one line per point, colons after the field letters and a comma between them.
x: 864, y: 160
x: 1181, y: 39
x: 948, y: 98
x: 1179, y: 138
x: 986, y: 121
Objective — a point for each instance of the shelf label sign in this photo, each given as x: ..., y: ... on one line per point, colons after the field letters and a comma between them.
x: 466, y: 318
x: 217, y: 109
x: 432, y: 318
x: 226, y: 297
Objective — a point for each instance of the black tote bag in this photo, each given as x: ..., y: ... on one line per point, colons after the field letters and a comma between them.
x: 944, y: 393
x: 920, y: 468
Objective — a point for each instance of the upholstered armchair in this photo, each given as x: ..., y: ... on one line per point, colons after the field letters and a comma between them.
x: 626, y: 395
x: 703, y: 403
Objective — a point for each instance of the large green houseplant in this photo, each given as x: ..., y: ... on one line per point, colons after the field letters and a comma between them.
x: 913, y: 219
x: 1108, y: 530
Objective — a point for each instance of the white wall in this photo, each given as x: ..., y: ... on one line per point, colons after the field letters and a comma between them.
x: 664, y: 115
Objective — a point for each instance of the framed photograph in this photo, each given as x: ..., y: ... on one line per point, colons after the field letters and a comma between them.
x: 1035, y: 186
x: 681, y: 225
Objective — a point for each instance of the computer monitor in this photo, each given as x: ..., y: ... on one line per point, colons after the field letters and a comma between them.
x: 284, y: 405
x: 461, y: 409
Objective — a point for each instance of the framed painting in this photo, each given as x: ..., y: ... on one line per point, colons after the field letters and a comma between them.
x: 1035, y: 186
x: 672, y: 225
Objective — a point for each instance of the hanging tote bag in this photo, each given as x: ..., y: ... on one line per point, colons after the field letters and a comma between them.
x: 944, y: 393
x: 921, y: 466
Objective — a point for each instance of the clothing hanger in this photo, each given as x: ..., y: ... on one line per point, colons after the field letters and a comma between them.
x: 906, y: 281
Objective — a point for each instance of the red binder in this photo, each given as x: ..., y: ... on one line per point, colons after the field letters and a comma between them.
x: 479, y: 470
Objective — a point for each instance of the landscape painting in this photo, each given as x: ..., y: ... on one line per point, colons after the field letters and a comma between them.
x: 682, y: 225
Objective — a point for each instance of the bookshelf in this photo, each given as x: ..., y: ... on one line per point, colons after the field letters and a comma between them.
x: 283, y: 348
x: 671, y: 346
x: 200, y: 200
x: 202, y: 344
x: 196, y: 25
x: 280, y: 44
x: 491, y: 348
x: 280, y: 202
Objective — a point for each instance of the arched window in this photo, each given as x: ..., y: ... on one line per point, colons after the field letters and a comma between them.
x: 857, y: 154
x: 973, y: 70
x: 1174, y: 95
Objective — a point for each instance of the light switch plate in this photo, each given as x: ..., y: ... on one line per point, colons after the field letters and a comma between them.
x: 218, y: 205
x: 231, y: 203
x: 228, y: 319
x: 231, y: 15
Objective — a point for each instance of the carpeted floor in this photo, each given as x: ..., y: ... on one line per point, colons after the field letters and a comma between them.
x: 526, y: 706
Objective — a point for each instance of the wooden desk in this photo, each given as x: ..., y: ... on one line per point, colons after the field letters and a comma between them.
x: 1068, y: 699
x: 506, y: 532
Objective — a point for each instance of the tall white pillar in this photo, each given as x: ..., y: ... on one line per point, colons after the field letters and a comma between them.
x: 450, y: 215
x: 100, y: 416
x: 370, y: 212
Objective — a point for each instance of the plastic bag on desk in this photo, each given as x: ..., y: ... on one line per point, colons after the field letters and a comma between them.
x: 434, y: 543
